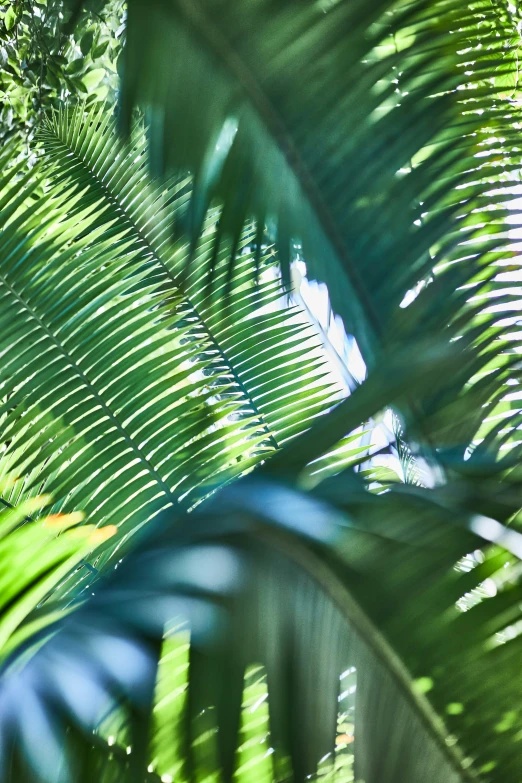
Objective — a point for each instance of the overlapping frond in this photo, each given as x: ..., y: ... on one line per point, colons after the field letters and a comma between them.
x: 348, y: 161
x: 310, y: 585
x: 89, y: 359
x: 392, y: 163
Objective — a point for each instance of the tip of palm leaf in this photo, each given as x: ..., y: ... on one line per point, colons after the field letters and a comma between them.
x: 59, y: 522
x: 94, y: 536
x: 102, y: 534
x: 9, y: 481
x: 35, y: 504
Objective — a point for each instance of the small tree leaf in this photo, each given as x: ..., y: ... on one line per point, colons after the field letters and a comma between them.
x: 53, y: 79
x: 78, y: 84
x: 93, y: 78
x: 100, y: 49
x: 86, y: 42
x: 10, y: 18
x: 76, y: 66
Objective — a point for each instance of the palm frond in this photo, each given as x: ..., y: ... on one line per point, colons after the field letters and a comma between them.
x: 401, y: 175
x: 400, y: 181
x: 115, y: 395
x: 84, y: 355
x: 255, y: 346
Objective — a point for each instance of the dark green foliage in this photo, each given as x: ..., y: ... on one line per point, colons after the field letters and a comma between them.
x: 344, y: 162
x: 42, y: 63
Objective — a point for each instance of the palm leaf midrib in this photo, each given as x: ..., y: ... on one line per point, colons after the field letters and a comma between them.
x: 93, y: 391
x: 353, y: 611
x: 196, y: 19
x: 148, y: 247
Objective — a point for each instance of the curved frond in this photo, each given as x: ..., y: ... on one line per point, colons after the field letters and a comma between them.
x: 89, y: 358
x: 394, y: 161
x: 254, y: 345
x: 116, y: 394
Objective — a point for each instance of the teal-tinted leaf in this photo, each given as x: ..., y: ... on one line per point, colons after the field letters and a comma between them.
x: 76, y: 66
x: 259, y: 541
x: 100, y: 49
x: 86, y: 42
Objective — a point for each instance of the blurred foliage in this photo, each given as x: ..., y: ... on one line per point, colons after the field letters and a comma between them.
x: 35, y: 556
x: 42, y: 64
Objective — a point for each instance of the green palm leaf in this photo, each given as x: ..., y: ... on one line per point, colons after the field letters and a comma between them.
x: 116, y: 395
x: 36, y: 556
x: 392, y: 164
x: 84, y: 353
x: 259, y: 354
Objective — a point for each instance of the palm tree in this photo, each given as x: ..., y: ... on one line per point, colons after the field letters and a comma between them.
x: 149, y: 365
